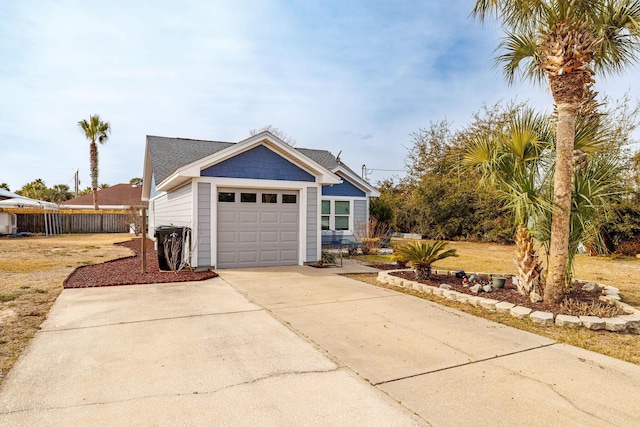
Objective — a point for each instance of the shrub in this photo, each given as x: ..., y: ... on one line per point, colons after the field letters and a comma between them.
x: 422, y: 254
x: 628, y: 248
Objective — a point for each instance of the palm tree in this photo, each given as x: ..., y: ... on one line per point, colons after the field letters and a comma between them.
x: 514, y: 162
x: 564, y: 42
x: 421, y: 255
x: 60, y: 193
x: 95, y: 130
x: 36, y: 190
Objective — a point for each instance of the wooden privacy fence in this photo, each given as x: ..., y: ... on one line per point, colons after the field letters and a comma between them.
x: 51, y: 221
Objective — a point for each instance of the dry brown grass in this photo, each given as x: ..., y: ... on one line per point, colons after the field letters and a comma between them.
x: 31, y: 274
x: 621, y: 272
x: 621, y: 346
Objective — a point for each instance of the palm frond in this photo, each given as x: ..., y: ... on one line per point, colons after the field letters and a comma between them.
x: 520, y: 57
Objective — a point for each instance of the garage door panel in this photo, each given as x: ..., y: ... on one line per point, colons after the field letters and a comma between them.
x: 289, y: 256
x: 289, y: 237
x: 248, y: 256
x: 248, y: 237
x: 248, y: 217
x: 226, y: 236
x: 269, y: 237
x: 267, y: 256
x: 255, y: 234
x: 269, y: 217
x: 225, y: 217
x: 289, y: 218
x: 227, y: 258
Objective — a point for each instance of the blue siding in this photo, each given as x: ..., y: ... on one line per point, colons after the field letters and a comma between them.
x: 346, y: 189
x: 258, y: 163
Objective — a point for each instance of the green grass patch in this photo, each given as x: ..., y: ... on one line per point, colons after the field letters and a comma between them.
x: 41, y: 291
x: 375, y: 259
x: 7, y: 297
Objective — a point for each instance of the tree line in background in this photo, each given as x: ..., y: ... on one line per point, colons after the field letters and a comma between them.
x: 445, y: 196
x: 38, y: 190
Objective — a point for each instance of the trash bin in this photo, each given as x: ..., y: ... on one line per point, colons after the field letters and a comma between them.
x: 171, y: 237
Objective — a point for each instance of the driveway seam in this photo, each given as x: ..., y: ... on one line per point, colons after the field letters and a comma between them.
x: 486, y: 359
x: 334, y: 302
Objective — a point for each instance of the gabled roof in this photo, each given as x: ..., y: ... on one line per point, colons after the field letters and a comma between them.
x: 170, y: 157
x: 119, y: 195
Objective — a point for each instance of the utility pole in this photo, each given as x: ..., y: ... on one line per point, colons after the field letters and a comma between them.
x: 77, y: 181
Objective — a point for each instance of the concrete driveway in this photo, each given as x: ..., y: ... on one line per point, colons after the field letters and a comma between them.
x: 299, y: 346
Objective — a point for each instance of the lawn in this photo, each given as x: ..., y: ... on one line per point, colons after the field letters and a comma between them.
x: 32, y: 270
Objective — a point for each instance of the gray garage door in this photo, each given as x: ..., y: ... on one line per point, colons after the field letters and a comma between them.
x: 257, y: 227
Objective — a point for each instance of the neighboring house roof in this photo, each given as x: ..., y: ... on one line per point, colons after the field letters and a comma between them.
x: 11, y: 200
x: 117, y: 196
x: 167, y: 155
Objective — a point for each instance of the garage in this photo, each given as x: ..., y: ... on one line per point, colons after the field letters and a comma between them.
x: 257, y: 227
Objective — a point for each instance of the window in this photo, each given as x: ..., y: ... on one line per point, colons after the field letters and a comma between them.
x: 326, y: 215
x: 341, y: 211
x: 248, y: 197
x: 269, y: 198
x: 226, y: 197
x: 335, y: 215
x: 289, y: 198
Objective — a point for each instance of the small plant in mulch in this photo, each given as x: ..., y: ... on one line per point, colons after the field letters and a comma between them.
x: 590, y: 308
x: 328, y: 259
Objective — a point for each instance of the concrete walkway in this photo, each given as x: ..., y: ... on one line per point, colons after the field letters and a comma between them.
x: 300, y: 346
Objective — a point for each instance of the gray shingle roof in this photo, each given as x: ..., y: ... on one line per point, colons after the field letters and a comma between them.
x: 170, y: 154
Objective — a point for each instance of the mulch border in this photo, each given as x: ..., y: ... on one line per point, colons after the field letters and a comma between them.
x: 154, y: 274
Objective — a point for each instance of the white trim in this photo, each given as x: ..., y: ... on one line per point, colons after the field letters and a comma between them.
x: 214, y: 224
x: 194, y: 221
x: 363, y: 185
x: 319, y: 225
x: 302, y: 225
x: 301, y: 187
x: 333, y: 199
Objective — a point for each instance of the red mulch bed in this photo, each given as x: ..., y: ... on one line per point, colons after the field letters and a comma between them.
x: 128, y: 270
x: 508, y: 293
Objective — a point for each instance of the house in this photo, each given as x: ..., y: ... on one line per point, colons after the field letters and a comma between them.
x: 10, y: 203
x: 119, y: 196
x: 257, y: 202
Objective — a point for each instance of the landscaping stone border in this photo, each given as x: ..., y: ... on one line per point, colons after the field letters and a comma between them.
x: 627, y: 323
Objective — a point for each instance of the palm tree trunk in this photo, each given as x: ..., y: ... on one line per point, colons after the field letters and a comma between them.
x: 93, y: 161
x: 559, y: 245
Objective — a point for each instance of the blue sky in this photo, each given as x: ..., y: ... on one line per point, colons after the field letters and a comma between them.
x: 351, y: 76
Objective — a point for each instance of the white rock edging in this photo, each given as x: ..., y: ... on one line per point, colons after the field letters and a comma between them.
x: 629, y: 322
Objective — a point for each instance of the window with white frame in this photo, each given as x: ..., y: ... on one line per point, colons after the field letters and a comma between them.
x: 335, y: 215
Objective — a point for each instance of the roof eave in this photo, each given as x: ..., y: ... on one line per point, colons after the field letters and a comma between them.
x: 357, y: 181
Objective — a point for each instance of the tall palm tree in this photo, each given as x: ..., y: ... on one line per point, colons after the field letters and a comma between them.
x: 95, y: 130
x: 565, y: 42
x: 514, y: 161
